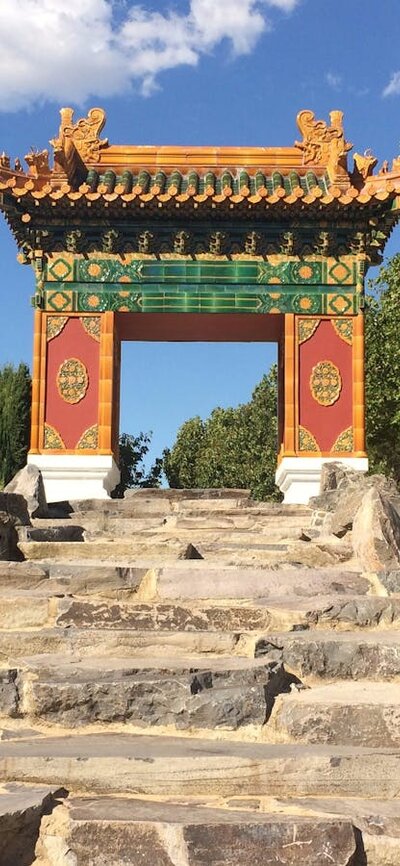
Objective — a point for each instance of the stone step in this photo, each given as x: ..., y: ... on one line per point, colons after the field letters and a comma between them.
x: 111, y: 550
x: 56, y: 532
x: 316, y: 654
x: 99, y: 830
x: 115, y: 643
x: 171, y: 549
x: 342, y: 713
x: 209, y: 693
x: 177, y: 766
x: 59, y: 602
x: 242, y: 520
x: 269, y: 615
x: 147, y: 502
x: 203, y: 580
x: 182, y: 531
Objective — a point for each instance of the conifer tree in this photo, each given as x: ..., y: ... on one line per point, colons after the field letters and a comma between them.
x: 15, y: 408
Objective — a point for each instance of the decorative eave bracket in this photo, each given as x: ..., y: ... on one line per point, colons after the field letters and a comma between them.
x: 78, y: 144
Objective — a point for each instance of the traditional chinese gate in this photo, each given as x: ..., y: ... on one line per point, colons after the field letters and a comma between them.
x: 172, y: 243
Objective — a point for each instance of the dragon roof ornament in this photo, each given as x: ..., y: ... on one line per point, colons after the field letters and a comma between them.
x: 84, y: 135
x: 323, y: 144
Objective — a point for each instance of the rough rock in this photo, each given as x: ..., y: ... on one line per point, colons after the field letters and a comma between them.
x: 311, y: 655
x: 342, y: 713
x: 9, y: 696
x: 377, y: 820
x: 335, y: 474
x: 13, y: 515
x: 21, y: 811
x: 28, y: 482
x: 366, y: 612
x: 376, y: 532
x: 342, y: 491
x: 390, y: 580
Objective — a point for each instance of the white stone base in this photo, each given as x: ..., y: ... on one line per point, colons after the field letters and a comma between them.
x: 70, y: 476
x: 299, y: 477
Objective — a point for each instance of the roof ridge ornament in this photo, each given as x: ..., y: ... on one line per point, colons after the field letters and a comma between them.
x: 364, y: 164
x: 84, y: 135
x: 324, y: 145
x: 38, y: 162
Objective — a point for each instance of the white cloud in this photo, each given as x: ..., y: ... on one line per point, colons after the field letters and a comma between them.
x: 333, y: 80
x: 393, y: 88
x: 285, y: 5
x: 68, y: 52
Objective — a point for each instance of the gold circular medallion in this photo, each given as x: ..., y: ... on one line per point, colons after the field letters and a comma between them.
x: 325, y: 383
x: 72, y: 380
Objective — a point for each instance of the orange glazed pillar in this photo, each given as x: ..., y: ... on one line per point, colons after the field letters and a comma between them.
x: 322, y: 373
x: 74, y: 436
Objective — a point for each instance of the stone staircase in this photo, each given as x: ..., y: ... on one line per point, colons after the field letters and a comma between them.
x: 190, y: 678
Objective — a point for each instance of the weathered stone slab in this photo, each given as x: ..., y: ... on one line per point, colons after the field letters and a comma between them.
x: 106, y: 550
x: 24, y: 610
x: 165, y: 617
x: 201, y: 580
x: 208, y: 693
x: 116, y: 643
x: 166, y: 766
x: 356, y: 713
x: 106, y: 580
x: 59, y: 532
x: 21, y: 575
x: 131, y: 832
x: 344, y: 655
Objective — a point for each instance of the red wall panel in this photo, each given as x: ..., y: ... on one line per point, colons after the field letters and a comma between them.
x: 325, y: 422
x: 71, y: 420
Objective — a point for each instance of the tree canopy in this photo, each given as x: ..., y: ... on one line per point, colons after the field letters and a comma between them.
x: 234, y: 447
x: 132, y: 452
x: 15, y: 410
x: 382, y: 338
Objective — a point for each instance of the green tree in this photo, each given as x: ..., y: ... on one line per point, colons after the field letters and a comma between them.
x: 15, y: 409
x: 180, y: 464
x: 234, y: 447
x: 132, y: 452
x: 382, y: 330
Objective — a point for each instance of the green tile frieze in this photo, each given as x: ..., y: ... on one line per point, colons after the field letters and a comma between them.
x: 67, y: 297
x: 98, y: 270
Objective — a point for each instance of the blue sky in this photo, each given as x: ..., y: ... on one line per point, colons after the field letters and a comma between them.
x: 200, y: 72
